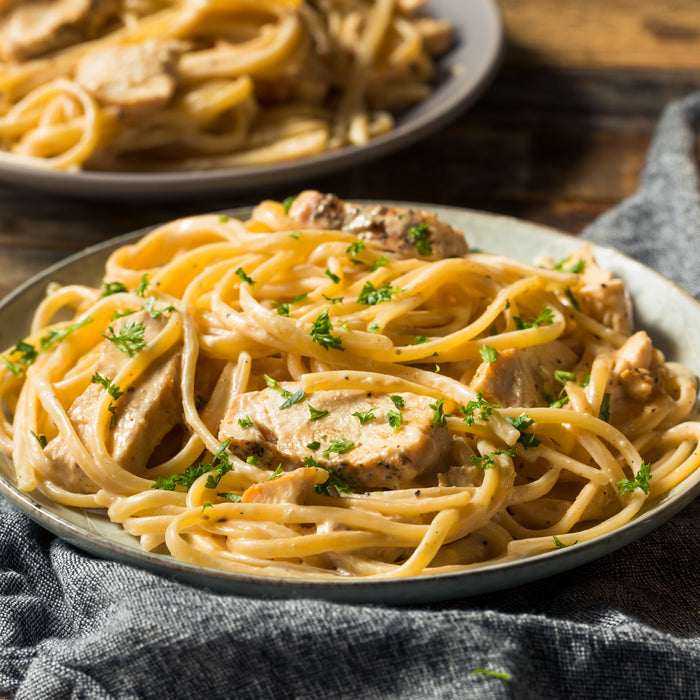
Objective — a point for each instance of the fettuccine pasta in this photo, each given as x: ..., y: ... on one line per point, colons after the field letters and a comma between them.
x: 203, y: 84
x: 336, y: 390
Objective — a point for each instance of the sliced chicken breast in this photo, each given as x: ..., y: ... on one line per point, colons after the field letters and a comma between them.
x: 355, y: 439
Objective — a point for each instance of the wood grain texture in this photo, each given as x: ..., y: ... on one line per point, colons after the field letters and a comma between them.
x: 605, y: 33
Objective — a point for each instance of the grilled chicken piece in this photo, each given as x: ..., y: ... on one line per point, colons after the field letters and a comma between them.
x: 292, y: 487
x: 136, y: 78
x: 30, y: 28
x: 638, y: 375
x: 522, y: 376
x: 144, y: 415
x: 409, y: 233
x: 375, y: 456
x: 603, y: 296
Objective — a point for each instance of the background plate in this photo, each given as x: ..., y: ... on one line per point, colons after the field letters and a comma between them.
x: 463, y: 73
x: 670, y: 315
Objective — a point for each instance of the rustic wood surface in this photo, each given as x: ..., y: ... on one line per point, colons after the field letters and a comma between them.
x: 559, y: 136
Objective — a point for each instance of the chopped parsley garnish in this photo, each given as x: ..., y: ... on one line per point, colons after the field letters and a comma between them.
x: 481, y: 408
x: 252, y: 460
x: 113, y: 390
x: 156, y: 313
x: 296, y: 235
x: 371, y: 296
x: 570, y: 296
x: 221, y: 464
x: 186, y: 479
x: 493, y: 674
x: 245, y: 423
x: 28, y: 353
x: 283, y: 309
x: 120, y: 314
x: 605, y: 407
x: 287, y: 203
x: 640, y: 481
x: 56, y: 335
x: 522, y: 423
x: 277, y: 473
x: 130, y: 338
x: 364, y: 416
x: 333, y: 300
x: 379, y: 262
x: 488, y: 354
x: 321, y: 332
x: 354, y: 248
x: 395, y: 419
x: 41, y: 439
x: 397, y: 400
x: 563, y: 376
x: 332, y: 479
x: 27, y: 356
x: 438, y: 414
x: 113, y: 288
x: 243, y: 277
x: 315, y: 445
x: 223, y: 218
x: 374, y: 328
x: 489, y: 461
x: 142, y: 286
x: 420, y: 339
x: 331, y: 276
x: 317, y: 413
x: 289, y: 398
x: 341, y: 446
x: 233, y: 497
x: 546, y: 316
x: 421, y: 238
x: 576, y: 268
x: 559, y: 543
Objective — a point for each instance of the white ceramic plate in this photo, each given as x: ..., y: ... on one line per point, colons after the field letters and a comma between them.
x: 670, y: 315
x: 463, y: 74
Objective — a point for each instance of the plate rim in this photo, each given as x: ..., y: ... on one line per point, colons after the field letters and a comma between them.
x: 166, y: 185
x: 423, y: 588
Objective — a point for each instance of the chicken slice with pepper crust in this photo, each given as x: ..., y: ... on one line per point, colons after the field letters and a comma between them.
x: 356, y: 439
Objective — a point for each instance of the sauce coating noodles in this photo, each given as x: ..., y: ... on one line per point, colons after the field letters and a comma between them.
x: 165, y: 396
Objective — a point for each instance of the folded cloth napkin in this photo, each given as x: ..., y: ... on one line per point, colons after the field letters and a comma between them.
x: 627, y: 625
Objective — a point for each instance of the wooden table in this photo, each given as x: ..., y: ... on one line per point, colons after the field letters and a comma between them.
x: 559, y: 137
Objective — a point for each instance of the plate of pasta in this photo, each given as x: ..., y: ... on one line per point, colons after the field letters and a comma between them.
x: 116, y: 98
x: 355, y: 401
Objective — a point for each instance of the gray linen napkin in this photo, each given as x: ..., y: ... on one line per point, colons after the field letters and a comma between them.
x: 628, y: 625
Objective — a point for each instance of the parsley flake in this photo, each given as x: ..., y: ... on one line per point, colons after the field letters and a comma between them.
x: 364, y: 416
x: 130, y: 338
x: 113, y: 288
x: 341, y: 446
x: 317, y: 413
x: 142, y: 286
x: 546, y: 316
x: 113, y: 390
x: 321, y: 332
x: 640, y: 481
x: 395, y: 419
x: 421, y: 239
x: 370, y: 295
x: 243, y: 277
x: 481, y: 408
x: 245, y: 423
x: 488, y: 354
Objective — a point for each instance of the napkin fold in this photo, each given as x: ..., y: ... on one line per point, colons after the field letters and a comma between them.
x: 627, y: 625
